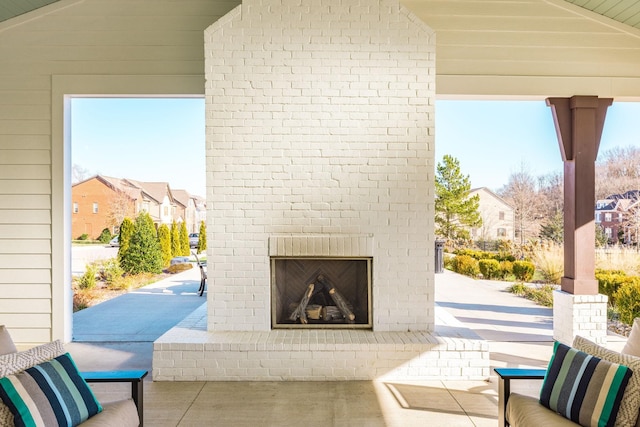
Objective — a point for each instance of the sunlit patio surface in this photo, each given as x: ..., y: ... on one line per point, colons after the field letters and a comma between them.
x: 517, y: 331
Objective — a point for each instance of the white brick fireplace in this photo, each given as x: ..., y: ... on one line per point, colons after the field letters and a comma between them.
x: 320, y: 143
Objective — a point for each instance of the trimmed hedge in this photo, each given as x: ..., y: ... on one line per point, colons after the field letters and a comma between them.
x: 627, y: 299
x: 464, y: 264
x: 523, y: 270
x: 490, y: 268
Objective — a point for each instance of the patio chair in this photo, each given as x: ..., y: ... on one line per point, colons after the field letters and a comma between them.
x: 573, y: 383
x: 17, y: 367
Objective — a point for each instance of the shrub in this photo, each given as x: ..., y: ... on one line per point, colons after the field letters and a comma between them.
x: 88, y: 279
x: 110, y: 271
x: 184, y: 240
x: 177, y: 268
x: 490, y: 268
x: 549, y: 261
x: 523, y: 270
x: 506, y: 269
x: 164, y: 236
x: 105, y: 236
x: 542, y: 295
x: 202, y: 238
x: 609, y: 281
x: 175, y: 240
x: 628, y: 301
x: 464, y: 264
x: 143, y: 254
x: 83, y: 236
x: 126, y: 230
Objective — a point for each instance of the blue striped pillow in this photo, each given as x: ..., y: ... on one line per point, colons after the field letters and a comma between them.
x: 584, y: 388
x: 50, y: 394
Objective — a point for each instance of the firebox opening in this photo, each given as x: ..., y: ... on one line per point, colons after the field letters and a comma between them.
x: 321, y: 292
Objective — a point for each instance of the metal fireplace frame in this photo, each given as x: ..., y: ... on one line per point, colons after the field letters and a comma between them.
x: 275, y: 324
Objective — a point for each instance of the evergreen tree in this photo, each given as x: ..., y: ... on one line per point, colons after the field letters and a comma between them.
x: 164, y: 236
x: 456, y: 212
x: 202, y: 238
x: 144, y: 254
x: 126, y: 230
x: 184, y: 240
x: 553, y: 229
x: 176, y: 249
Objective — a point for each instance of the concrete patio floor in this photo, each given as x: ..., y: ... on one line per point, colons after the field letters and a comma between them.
x: 519, y: 335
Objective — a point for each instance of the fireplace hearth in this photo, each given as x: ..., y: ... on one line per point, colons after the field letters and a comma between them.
x: 321, y: 293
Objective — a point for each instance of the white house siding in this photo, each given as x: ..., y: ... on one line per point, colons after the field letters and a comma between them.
x: 73, y: 47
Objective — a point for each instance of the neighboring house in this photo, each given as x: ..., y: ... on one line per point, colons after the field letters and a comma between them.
x: 184, y: 209
x: 618, y: 216
x: 498, y: 221
x: 101, y: 202
x: 200, y: 211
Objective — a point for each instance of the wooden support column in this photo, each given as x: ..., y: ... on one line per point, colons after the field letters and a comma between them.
x: 579, y: 121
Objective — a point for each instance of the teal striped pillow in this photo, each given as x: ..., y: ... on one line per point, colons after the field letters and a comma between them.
x: 50, y: 394
x: 584, y: 388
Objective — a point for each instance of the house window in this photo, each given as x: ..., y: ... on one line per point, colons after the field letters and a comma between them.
x: 608, y: 233
x: 75, y: 208
x: 597, y: 216
x: 607, y: 217
x: 501, y: 215
x: 166, y: 210
x: 145, y: 206
x: 502, y: 232
x: 95, y: 207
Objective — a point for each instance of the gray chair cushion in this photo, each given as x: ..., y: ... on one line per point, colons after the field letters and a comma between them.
x: 6, y: 343
x: 526, y: 411
x: 122, y: 413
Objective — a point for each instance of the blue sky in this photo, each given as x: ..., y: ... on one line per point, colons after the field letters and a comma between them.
x: 158, y: 139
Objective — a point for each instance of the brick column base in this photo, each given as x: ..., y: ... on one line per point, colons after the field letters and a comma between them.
x: 584, y: 315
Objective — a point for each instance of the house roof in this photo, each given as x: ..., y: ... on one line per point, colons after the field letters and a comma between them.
x: 494, y: 195
x: 181, y: 196
x: 155, y: 190
x: 626, y: 12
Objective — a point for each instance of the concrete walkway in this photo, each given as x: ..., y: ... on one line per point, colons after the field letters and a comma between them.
x: 119, y: 333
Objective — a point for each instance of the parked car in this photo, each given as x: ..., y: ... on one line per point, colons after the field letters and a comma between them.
x: 115, y: 242
x: 193, y: 240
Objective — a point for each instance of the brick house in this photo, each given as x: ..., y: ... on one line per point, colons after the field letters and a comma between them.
x: 617, y: 215
x: 102, y: 202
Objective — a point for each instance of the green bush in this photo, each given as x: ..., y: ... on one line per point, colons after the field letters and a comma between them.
x: 506, y: 269
x: 88, y: 279
x: 83, y: 236
x: 184, y: 240
x: 144, y: 254
x: 464, y: 264
x: 176, y: 248
x: 105, y: 236
x: 523, y: 270
x: 609, y: 281
x: 478, y: 255
x: 490, y: 268
x: 202, y: 238
x: 542, y: 295
x: 627, y: 299
x: 164, y: 236
x: 126, y: 230
x: 111, y: 272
